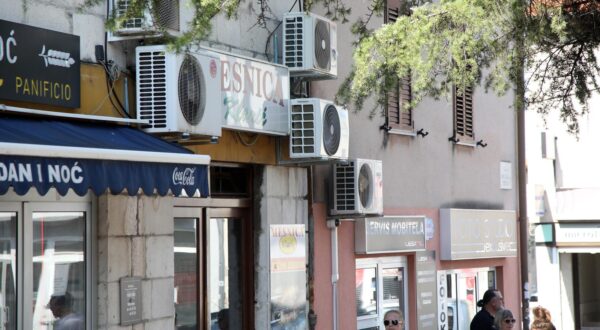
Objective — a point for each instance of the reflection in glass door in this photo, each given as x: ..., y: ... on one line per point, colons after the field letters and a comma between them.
x: 185, y: 243
x: 225, y: 256
x: 59, y: 269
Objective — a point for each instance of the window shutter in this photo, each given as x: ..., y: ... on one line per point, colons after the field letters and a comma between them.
x: 399, y: 115
x: 463, y: 115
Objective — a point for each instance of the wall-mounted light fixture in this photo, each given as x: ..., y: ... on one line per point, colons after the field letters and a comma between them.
x: 385, y: 127
x: 453, y: 139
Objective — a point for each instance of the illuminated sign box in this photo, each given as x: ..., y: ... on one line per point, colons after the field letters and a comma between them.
x: 475, y: 234
x: 389, y: 234
x: 39, y: 65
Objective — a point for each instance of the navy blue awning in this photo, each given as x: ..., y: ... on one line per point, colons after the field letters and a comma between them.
x: 49, y: 153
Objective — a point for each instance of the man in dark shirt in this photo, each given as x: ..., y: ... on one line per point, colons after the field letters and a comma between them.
x: 491, y: 303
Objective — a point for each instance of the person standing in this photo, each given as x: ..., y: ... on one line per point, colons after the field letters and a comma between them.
x: 491, y: 303
x: 504, y: 320
x: 542, y: 319
x: 393, y: 320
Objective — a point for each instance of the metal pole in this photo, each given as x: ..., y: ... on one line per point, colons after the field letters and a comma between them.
x: 520, y: 17
x: 335, y: 274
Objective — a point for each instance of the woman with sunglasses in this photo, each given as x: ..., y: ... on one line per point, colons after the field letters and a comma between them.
x: 393, y: 319
x: 504, y: 320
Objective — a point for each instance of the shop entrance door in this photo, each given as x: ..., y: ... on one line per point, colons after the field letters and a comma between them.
x: 464, y: 288
x: 213, y: 262
x: 381, y: 285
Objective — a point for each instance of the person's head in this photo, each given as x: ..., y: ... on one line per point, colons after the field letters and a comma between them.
x: 541, y: 313
x: 61, y: 304
x: 492, y: 301
x: 541, y: 319
x: 223, y: 319
x: 393, y: 319
x: 504, y: 320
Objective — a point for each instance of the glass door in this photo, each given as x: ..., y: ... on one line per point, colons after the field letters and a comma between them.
x: 381, y: 286
x: 230, y: 269
x: 187, y: 246
x: 8, y: 265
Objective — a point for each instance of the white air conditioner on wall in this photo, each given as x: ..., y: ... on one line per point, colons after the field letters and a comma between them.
x: 178, y: 93
x: 163, y: 14
x: 357, y: 187
x: 309, y: 45
x: 318, y: 129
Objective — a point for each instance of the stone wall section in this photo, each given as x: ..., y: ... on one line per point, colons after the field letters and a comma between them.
x: 135, y: 238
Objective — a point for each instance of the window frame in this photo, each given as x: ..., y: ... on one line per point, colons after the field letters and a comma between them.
x: 460, y: 123
x: 51, y: 202
x: 379, y: 264
x: 399, y: 118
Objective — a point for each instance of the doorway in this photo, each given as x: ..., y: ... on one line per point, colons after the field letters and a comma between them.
x: 381, y: 285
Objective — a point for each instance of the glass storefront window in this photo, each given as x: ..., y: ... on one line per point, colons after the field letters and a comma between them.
x: 59, y: 270
x: 8, y: 269
x: 366, y: 292
x: 186, y: 276
x: 393, y: 289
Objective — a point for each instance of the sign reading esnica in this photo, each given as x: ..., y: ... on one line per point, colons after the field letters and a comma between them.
x: 255, y: 94
x: 38, y: 65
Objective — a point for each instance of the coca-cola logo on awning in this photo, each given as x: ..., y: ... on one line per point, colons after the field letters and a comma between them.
x: 184, y: 177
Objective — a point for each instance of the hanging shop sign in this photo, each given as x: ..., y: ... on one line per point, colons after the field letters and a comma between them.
x: 389, y: 234
x: 256, y: 95
x: 474, y: 234
x: 427, y: 303
x: 39, y: 65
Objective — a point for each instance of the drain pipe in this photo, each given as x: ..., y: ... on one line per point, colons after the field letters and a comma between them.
x: 335, y: 274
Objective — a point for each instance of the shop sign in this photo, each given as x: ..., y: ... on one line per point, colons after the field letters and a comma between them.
x: 442, y: 293
x: 577, y: 234
x: 39, y: 65
x: 389, y: 234
x: 131, y: 300
x: 256, y: 95
x: 288, y: 277
x: 427, y: 303
x: 474, y: 234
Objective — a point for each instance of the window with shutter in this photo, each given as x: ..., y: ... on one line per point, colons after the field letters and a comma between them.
x: 398, y: 112
x: 463, y: 115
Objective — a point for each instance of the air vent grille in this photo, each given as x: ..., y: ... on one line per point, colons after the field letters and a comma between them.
x: 331, y: 130
x: 191, y: 90
x: 345, y: 187
x: 303, y: 133
x: 167, y: 14
x: 152, y: 88
x: 293, y: 51
x: 322, y: 45
x: 121, y: 10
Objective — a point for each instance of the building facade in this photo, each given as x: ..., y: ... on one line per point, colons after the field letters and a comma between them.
x: 562, y: 188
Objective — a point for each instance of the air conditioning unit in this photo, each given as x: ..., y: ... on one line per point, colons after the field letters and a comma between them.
x: 318, y: 129
x: 178, y: 93
x: 357, y: 187
x: 309, y: 45
x: 163, y: 14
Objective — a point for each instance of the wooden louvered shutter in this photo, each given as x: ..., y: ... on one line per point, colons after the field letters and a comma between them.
x: 463, y: 115
x: 399, y: 114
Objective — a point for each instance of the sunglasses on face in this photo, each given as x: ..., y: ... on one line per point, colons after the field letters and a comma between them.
x: 392, y: 322
x: 509, y: 321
